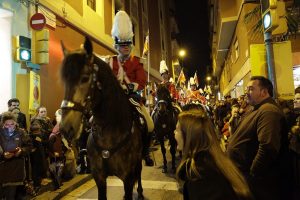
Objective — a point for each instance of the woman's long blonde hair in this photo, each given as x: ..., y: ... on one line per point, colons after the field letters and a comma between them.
x: 199, y: 136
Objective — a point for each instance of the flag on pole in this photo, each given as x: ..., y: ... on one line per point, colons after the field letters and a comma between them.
x: 205, y: 89
x: 181, y: 77
x: 209, y: 90
x: 146, y: 47
x: 201, y: 90
x: 196, y: 79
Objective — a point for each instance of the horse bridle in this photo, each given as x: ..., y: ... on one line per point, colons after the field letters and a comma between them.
x: 85, y: 110
x: 79, y: 107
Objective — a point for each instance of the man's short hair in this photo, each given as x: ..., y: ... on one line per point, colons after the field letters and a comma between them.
x: 297, y: 90
x: 8, y: 116
x: 264, y: 83
x: 12, y: 100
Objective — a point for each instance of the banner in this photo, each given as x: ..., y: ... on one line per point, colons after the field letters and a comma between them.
x: 34, y: 92
x: 196, y: 79
x: 181, y: 77
x: 283, y: 66
x: 146, y: 47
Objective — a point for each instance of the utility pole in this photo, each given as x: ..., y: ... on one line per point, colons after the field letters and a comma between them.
x: 270, y: 61
x: 270, y: 22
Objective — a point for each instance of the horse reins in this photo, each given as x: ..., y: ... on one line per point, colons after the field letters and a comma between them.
x: 75, y: 106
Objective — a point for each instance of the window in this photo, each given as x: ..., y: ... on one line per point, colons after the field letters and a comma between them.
x: 92, y: 4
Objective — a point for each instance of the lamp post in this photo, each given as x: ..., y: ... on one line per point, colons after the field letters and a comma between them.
x: 208, y: 78
x: 181, y: 55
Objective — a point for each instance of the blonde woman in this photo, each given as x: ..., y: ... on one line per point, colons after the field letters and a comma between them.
x: 207, y: 173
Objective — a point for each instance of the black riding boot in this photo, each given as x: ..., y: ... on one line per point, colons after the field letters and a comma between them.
x: 146, y: 152
x: 82, y: 161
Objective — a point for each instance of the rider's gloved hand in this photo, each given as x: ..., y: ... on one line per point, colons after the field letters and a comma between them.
x: 130, y: 87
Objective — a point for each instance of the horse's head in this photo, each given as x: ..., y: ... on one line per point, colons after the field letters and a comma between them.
x: 79, y: 71
x: 163, y: 98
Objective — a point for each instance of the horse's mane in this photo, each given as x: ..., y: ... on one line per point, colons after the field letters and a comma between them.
x: 72, y: 66
x: 163, y: 93
x: 110, y: 103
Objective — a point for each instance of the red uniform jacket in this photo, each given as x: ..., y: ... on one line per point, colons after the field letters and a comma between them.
x: 134, y: 70
x: 195, y: 96
x: 172, y: 90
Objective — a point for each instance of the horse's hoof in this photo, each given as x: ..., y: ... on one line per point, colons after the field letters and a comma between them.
x: 149, y: 162
x: 141, y: 197
x: 164, y: 170
x: 173, y: 170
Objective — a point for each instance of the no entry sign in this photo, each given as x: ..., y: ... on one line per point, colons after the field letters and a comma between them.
x: 37, y: 21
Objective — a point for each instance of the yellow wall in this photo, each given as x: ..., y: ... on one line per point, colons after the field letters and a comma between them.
x: 283, y: 66
x: 245, y: 37
x: 88, y: 20
x: 22, y: 81
x: 228, y: 8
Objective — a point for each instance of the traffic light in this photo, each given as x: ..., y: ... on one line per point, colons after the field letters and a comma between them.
x: 269, y: 14
x: 41, y: 47
x: 22, y: 48
x: 282, y: 22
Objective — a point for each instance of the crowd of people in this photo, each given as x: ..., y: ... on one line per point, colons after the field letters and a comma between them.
x: 249, y: 147
x: 244, y: 148
x: 33, y: 157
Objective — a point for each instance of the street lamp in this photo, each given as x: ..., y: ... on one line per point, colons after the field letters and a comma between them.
x: 182, y: 53
x: 208, y: 78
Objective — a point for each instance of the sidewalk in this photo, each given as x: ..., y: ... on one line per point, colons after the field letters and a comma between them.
x: 47, y: 192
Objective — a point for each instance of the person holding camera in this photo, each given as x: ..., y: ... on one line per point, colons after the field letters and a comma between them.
x: 15, y: 145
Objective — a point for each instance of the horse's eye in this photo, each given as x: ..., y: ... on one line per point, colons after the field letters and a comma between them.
x: 84, y: 79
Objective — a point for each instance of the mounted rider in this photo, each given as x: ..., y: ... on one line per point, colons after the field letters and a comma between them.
x: 130, y: 72
x: 194, y: 95
x: 167, y: 81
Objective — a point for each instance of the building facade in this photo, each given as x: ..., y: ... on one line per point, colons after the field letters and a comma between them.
x: 70, y: 21
x: 238, y: 52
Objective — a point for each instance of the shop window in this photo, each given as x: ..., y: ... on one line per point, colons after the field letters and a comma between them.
x: 296, y: 75
x: 92, y: 4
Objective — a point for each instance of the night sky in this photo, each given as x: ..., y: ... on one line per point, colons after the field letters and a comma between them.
x: 192, y: 20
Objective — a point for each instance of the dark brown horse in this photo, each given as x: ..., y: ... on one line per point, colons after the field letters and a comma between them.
x: 114, y: 146
x: 165, y: 118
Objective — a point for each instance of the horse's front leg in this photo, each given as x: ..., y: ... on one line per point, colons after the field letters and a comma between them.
x: 140, y: 187
x: 163, y: 151
x: 128, y: 187
x: 173, y: 150
x: 100, y: 180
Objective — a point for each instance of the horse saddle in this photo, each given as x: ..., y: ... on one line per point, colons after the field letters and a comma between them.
x: 139, y: 113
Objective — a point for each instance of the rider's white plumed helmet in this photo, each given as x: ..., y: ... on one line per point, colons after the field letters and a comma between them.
x: 163, y: 67
x: 192, y: 81
x: 122, y: 29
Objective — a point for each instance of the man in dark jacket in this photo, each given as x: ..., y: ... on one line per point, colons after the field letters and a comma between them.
x: 259, y: 146
x: 15, y: 103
